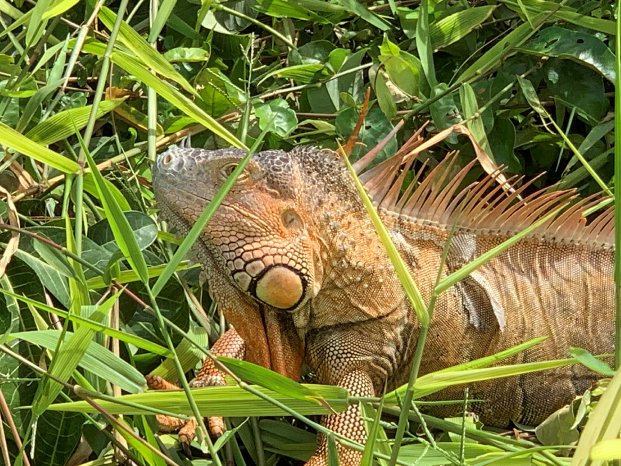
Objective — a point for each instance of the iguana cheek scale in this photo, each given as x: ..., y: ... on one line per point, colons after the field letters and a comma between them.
x: 295, y: 265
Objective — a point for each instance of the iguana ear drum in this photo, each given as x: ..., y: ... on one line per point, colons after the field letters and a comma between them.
x: 280, y: 287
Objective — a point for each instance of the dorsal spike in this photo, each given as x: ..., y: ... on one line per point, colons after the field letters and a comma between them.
x: 491, y: 204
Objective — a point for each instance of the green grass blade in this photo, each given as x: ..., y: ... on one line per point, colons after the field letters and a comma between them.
x: 145, y: 52
x: 121, y: 229
x: 502, y: 49
x: 95, y: 358
x: 218, y: 401
x: 617, y: 195
x: 434, y: 382
x: 64, y: 124
x: 22, y: 144
x: 94, y: 325
x: 165, y: 90
x: 67, y: 359
x: 424, y: 44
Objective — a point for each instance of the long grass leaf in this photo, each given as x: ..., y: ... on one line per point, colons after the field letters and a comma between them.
x: 145, y: 52
x: 67, y: 359
x: 165, y: 90
x: 121, y: 228
x: 219, y: 401
x: 64, y: 124
x: 94, y: 358
x: 22, y: 144
x: 502, y: 49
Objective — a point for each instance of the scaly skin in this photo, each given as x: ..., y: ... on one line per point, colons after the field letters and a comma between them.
x: 296, y: 266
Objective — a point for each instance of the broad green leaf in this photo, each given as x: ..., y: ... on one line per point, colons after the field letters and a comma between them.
x: 385, y: 98
x: 403, y: 68
x: 301, y: 74
x: 578, y: 87
x: 64, y: 124
x: 20, y: 143
x: 217, y: 401
x: 561, y: 427
x: 584, y: 48
x: 52, y: 278
x: 455, y: 27
x: 276, y: 117
x: 58, y: 435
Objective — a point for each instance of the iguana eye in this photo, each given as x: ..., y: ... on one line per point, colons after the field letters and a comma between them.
x: 227, y: 169
x: 291, y: 219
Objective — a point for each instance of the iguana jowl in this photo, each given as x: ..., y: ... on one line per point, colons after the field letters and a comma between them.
x: 296, y: 266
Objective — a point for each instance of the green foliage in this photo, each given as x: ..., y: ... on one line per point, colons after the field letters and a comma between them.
x: 88, y: 96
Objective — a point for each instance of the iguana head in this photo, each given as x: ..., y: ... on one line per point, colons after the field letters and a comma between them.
x: 260, y: 239
x: 258, y: 236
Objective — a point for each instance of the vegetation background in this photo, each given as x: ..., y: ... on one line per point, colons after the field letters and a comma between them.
x: 91, y: 90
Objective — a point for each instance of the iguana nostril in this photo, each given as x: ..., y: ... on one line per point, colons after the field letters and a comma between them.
x: 280, y: 287
x: 167, y: 159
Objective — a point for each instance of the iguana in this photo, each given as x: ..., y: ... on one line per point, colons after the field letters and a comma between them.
x: 296, y: 266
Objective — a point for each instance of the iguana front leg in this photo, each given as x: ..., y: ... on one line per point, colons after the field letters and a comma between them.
x: 230, y: 345
x: 349, y: 423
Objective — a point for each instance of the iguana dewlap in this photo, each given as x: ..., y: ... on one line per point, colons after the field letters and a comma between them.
x: 296, y: 266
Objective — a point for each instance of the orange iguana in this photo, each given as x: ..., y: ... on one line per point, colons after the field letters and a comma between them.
x: 296, y: 266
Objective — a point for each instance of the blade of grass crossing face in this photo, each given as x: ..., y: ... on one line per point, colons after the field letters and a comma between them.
x: 119, y: 225
x: 202, y: 220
